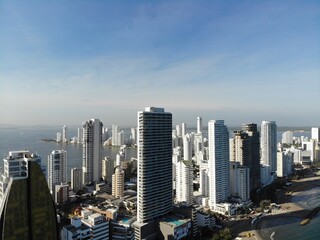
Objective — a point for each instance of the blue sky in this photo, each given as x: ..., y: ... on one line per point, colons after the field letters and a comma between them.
x: 63, y: 62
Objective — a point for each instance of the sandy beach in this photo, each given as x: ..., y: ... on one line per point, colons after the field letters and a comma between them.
x: 304, y: 196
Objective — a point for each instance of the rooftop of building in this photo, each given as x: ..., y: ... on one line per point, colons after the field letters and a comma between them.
x: 174, y: 220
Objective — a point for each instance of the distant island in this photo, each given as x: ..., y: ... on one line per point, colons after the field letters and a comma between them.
x: 48, y: 140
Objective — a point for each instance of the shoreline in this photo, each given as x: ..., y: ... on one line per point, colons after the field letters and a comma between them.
x: 292, y: 212
x: 296, y: 212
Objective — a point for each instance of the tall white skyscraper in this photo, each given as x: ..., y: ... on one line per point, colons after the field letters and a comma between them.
x: 115, y: 134
x: 118, y: 180
x: 315, y: 133
x: 65, y: 134
x: 269, y: 144
x: 80, y: 135
x: 154, y: 169
x: 57, y: 168
x: 133, y: 135
x: 59, y: 137
x: 187, y: 147
x: 92, y: 151
x: 179, y: 130
x: 184, y: 181
x: 219, y: 178
x: 239, y: 181
x: 204, y: 178
x: 199, y: 125
x: 183, y: 129
x: 287, y: 137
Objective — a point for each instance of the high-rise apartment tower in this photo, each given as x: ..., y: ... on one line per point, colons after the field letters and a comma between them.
x: 92, y: 151
x: 219, y: 179
x: 57, y: 168
x: 154, y: 168
x: 269, y: 144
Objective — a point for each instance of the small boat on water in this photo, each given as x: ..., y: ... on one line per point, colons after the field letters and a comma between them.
x: 272, y: 235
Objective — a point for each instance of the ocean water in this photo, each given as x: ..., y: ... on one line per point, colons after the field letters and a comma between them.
x: 29, y: 137
x: 292, y: 230
x: 288, y: 227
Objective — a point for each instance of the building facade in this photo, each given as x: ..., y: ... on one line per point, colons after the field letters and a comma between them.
x: 154, y: 197
x: 57, y: 169
x: 92, y: 151
x: 184, y: 181
x: 239, y: 181
x: 27, y: 210
x: 219, y: 178
x: 269, y: 144
x: 76, y: 179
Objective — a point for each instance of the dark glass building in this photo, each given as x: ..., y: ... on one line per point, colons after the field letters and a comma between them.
x: 27, y: 209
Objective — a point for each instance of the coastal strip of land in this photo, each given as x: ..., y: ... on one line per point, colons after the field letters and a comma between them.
x: 291, y: 211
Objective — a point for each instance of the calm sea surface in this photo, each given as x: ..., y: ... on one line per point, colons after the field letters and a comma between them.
x: 19, y: 138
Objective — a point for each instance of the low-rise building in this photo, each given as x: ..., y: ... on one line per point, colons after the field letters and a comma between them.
x: 173, y: 227
x: 91, y: 226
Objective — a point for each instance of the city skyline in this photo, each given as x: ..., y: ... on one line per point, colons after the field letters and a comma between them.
x: 238, y: 61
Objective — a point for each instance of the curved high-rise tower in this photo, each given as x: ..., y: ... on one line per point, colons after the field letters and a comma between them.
x: 27, y: 210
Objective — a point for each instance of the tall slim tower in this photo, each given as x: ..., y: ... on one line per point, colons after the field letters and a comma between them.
x: 92, y: 151
x: 57, y: 168
x: 80, y: 135
x: 269, y: 144
x: 199, y: 125
x: 154, y: 168
x: 118, y: 180
x: 315, y: 133
x: 183, y: 129
x: 115, y: 134
x: 219, y: 179
x: 65, y: 134
x: 252, y: 131
x: 187, y: 147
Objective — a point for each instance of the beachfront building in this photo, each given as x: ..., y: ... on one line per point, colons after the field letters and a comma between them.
x: 154, y: 196
x: 239, y: 181
x: 284, y: 163
x: 219, y: 170
x: 287, y: 137
x: 315, y: 133
x: 65, y: 134
x: 59, y: 137
x: 245, y: 149
x: 269, y: 144
x: 92, y: 151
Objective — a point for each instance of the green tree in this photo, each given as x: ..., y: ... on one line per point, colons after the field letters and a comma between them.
x: 216, y: 236
x: 264, y: 204
x: 225, y: 234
